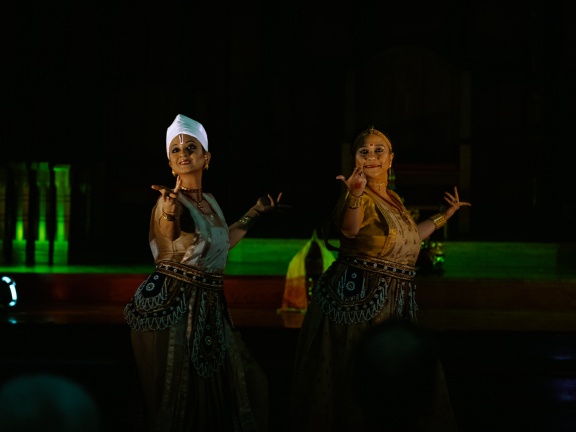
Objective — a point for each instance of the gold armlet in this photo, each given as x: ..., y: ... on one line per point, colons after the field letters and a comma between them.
x: 247, y: 221
x: 439, y: 220
x: 353, y: 201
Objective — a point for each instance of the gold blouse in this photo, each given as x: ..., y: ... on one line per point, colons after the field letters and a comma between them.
x: 386, y: 232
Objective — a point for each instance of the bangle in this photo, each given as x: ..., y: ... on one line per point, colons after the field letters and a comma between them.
x: 439, y: 220
x: 170, y: 217
x: 353, y: 201
x: 247, y: 221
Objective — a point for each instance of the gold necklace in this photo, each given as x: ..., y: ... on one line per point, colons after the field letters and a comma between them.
x: 372, y: 184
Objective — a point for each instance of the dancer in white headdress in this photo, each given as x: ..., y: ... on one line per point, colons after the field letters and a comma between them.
x: 195, y: 371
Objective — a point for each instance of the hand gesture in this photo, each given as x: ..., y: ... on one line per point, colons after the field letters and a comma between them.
x: 454, y: 203
x: 266, y: 203
x: 356, y: 182
x: 169, y: 195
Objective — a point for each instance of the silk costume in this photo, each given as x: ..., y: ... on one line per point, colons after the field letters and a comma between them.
x: 371, y: 281
x: 195, y: 371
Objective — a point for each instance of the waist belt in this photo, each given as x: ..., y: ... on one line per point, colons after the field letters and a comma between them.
x: 380, y: 266
x: 191, y: 275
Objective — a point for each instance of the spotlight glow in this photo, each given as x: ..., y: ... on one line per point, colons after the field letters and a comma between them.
x: 12, y: 286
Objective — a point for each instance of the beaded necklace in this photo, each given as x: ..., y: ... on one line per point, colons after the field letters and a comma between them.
x: 195, y: 195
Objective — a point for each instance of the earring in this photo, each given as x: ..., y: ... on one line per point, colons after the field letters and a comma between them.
x: 173, y: 173
x: 207, y: 163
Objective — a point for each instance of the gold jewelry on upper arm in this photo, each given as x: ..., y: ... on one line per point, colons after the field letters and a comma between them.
x: 439, y: 220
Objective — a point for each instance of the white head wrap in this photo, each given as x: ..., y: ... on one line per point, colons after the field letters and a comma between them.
x: 185, y: 125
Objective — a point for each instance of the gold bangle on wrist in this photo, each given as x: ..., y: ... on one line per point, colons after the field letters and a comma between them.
x: 170, y: 217
x: 439, y: 220
x: 353, y: 201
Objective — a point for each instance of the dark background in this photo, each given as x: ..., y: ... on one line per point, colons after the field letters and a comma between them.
x: 474, y: 93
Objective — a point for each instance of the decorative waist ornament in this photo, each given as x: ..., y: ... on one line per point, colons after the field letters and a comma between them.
x: 354, y: 290
x: 166, y: 297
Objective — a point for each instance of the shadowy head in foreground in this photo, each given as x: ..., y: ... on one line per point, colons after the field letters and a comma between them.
x: 46, y: 403
x: 394, y: 374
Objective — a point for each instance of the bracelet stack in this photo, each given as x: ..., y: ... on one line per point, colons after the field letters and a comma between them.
x: 439, y: 220
x: 353, y: 201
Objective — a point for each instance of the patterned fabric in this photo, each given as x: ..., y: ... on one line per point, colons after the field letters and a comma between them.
x: 355, y: 291
x: 386, y: 233
x: 195, y: 372
x: 156, y: 305
x: 370, y: 282
x: 161, y: 300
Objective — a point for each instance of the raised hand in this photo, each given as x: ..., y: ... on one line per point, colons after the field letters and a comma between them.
x: 356, y: 182
x: 169, y: 195
x: 454, y: 203
x: 266, y: 203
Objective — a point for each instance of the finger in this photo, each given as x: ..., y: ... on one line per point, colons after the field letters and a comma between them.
x: 452, y: 202
x: 178, y: 184
x: 164, y: 191
x: 341, y: 177
x: 279, y: 196
x: 456, y: 193
x: 160, y: 187
x: 272, y: 202
x: 168, y: 194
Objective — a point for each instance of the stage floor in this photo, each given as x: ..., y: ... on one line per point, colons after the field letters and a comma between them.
x: 445, y: 303
x: 504, y: 320
x: 498, y: 381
